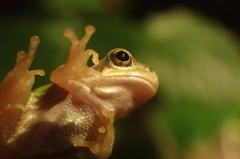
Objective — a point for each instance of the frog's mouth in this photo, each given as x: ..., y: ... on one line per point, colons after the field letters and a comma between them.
x: 144, y: 75
x: 140, y: 88
x: 139, y: 73
x: 151, y: 83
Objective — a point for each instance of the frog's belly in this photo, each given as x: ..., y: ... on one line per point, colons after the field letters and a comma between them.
x: 56, y: 128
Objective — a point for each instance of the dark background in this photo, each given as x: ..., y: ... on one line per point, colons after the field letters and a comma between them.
x: 225, y: 11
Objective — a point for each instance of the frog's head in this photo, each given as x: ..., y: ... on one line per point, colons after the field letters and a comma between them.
x: 124, y: 74
x: 118, y: 82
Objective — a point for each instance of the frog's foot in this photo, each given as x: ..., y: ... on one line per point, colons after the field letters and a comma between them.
x: 102, y: 147
x: 16, y: 87
x: 78, y: 57
x: 15, y: 91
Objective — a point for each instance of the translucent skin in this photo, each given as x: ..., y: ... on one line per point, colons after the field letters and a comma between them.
x: 15, y: 90
x: 78, y: 110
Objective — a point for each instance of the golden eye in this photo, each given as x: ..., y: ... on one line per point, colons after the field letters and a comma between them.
x: 121, y: 57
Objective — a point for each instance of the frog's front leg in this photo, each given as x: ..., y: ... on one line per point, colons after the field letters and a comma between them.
x: 76, y: 65
x: 76, y: 77
x: 16, y: 89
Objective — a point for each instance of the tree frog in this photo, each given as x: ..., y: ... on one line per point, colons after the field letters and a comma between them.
x: 75, y: 112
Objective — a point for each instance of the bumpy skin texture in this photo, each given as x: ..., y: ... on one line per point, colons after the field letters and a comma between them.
x: 78, y: 110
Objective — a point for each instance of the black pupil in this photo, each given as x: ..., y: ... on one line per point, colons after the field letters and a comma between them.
x: 122, y: 56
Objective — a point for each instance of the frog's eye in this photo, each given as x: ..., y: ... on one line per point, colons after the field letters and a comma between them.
x: 121, y: 57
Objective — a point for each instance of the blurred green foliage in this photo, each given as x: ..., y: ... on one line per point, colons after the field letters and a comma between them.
x: 196, y: 58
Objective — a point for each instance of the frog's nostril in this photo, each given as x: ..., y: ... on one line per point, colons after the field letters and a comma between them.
x: 150, y: 68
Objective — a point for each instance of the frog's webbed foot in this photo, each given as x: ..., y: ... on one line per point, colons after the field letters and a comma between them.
x: 16, y: 86
x: 76, y: 65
